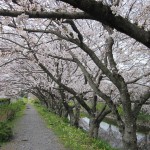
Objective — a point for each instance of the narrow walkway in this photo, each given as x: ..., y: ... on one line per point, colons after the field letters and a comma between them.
x: 31, y: 133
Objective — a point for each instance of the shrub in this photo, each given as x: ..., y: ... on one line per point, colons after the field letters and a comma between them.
x: 4, y: 101
x: 7, y: 114
x: 5, y: 132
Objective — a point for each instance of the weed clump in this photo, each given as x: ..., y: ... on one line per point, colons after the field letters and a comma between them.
x: 5, y: 132
x: 8, y: 112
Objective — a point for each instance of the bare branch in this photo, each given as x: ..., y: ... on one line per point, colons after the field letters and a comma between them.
x: 62, y: 58
x: 143, y: 99
x: 8, y: 62
x: 46, y: 15
x: 137, y: 79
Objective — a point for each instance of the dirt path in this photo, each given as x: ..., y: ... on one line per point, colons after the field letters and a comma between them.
x: 31, y: 133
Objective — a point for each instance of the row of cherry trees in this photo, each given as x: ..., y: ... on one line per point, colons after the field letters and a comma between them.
x: 74, y: 57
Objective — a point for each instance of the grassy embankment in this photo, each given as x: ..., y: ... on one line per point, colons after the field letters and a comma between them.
x: 143, y: 116
x: 143, y: 119
x: 8, y: 114
x: 74, y: 139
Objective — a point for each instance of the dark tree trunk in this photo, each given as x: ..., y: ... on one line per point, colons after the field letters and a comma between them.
x: 129, y: 138
x: 77, y: 115
x: 72, y: 117
x: 93, y: 128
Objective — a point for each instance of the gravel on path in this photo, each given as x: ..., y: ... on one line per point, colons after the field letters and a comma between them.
x: 31, y: 133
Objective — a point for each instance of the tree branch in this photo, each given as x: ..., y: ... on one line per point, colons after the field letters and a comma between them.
x: 103, y: 13
x: 70, y: 90
x: 143, y: 99
x: 46, y: 15
x: 137, y: 79
x: 11, y: 61
x: 62, y: 58
x: 108, y: 100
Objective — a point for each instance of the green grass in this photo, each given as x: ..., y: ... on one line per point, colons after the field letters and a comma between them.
x: 73, y: 138
x: 99, y: 107
x: 10, y: 113
x: 144, y: 117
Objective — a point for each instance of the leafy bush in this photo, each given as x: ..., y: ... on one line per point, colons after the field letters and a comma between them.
x: 4, y: 101
x: 120, y: 110
x: 7, y: 114
x: 5, y: 132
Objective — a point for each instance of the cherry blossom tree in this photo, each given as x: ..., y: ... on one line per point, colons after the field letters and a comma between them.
x: 80, y: 56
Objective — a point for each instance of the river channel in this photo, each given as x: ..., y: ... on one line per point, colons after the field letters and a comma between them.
x: 111, y: 134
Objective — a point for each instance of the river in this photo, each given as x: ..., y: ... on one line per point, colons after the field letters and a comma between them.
x: 111, y: 134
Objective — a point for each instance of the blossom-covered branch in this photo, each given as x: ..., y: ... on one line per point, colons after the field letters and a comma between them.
x: 104, y: 14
